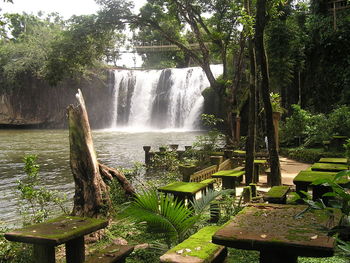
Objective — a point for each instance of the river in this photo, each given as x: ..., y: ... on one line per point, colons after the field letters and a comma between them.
x: 114, y: 148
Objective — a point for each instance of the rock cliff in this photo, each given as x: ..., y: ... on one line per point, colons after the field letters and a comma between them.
x: 36, y: 104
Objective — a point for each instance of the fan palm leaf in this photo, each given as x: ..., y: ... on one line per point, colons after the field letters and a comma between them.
x: 162, y: 213
x: 202, y: 204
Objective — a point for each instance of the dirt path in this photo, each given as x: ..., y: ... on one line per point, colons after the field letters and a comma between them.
x: 289, y: 169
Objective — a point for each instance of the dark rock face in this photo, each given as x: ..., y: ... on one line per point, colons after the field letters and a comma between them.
x: 38, y: 105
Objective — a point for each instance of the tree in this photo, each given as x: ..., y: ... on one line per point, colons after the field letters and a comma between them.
x: 83, y: 46
x: 91, y: 192
x: 24, y: 49
x: 261, y: 21
x: 251, y: 138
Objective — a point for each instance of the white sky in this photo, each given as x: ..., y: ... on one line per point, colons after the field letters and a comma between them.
x: 66, y: 8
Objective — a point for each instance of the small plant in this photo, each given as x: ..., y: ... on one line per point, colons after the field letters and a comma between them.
x: 275, y: 99
x: 347, y: 149
x: 35, y: 203
x: 165, y: 161
x: 341, y: 200
x: 163, y: 214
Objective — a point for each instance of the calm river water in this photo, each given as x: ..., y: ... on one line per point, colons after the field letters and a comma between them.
x: 114, y: 148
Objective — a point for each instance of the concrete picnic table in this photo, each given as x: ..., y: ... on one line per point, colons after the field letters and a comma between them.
x: 258, y: 164
x: 304, y: 179
x: 68, y: 230
x: 183, y: 190
x: 229, y: 178
x: 329, y: 167
x: 274, y: 230
x: 334, y: 160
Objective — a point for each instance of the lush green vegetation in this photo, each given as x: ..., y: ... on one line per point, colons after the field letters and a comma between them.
x: 307, y: 69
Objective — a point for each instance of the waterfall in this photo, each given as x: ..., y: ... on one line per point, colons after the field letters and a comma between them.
x: 159, y: 99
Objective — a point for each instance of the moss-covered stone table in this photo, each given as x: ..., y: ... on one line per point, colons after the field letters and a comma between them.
x: 68, y: 230
x: 183, y: 190
x: 274, y: 230
x: 198, y: 248
x: 258, y: 165
x: 229, y: 178
x: 334, y: 160
x: 329, y: 167
x: 304, y: 180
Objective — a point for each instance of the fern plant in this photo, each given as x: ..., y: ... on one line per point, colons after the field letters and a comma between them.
x: 163, y: 214
x: 168, y: 216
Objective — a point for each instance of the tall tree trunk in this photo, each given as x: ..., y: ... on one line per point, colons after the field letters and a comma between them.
x: 251, y: 139
x: 265, y: 91
x: 91, y: 197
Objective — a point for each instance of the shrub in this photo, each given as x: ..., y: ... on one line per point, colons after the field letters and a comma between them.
x: 339, y: 121
x: 36, y: 202
x: 311, y: 129
x: 305, y: 155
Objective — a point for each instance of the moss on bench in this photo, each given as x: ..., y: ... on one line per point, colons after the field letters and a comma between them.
x: 230, y: 173
x: 196, y: 249
x: 277, y: 194
x: 333, y: 167
x: 185, y: 187
x: 111, y: 254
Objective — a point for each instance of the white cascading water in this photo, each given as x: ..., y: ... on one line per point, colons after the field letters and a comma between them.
x: 159, y: 99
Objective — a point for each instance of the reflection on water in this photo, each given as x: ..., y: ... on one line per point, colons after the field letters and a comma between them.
x: 114, y: 148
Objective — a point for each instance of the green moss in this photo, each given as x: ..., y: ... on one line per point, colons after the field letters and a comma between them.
x: 339, y: 137
x: 208, y: 181
x: 229, y: 173
x: 329, y: 166
x: 239, y: 152
x: 310, y: 176
x: 184, y: 187
x: 60, y: 228
x: 334, y: 160
x: 260, y: 161
x: 217, y: 153
x: 278, y: 191
x: 199, y: 244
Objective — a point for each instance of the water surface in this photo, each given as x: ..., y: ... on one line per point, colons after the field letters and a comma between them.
x: 114, y: 148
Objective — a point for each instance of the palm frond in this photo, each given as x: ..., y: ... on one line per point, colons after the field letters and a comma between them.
x: 162, y: 213
x: 203, y: 203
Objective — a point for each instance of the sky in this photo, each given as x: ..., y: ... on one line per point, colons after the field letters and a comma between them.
x: 66, y: 8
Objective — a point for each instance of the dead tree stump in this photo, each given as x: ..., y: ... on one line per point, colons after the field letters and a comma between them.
x: 91, y: 197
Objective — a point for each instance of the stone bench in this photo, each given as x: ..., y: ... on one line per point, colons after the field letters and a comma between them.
x: 277, y: 194
x: 111, y: 254
x: 229, y: 178
x: 198, y: 248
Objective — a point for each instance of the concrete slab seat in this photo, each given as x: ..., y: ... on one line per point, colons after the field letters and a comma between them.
x: 304, y: 179
x: 198, y: 248
x: 329, y: 167
x: 277, y: 194
x: 334, y: 160
x: 111, y: 254
x: 229, y: 178
x: 273, y: 230
x: 183, y: 190
x: 68, y: 230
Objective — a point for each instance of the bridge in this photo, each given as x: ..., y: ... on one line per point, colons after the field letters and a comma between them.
x: 158, y: 47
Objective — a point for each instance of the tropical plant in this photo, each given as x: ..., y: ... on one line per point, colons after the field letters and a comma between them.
x: 340, y: 200
x: 170, y: 217
x: 347, y: 149
x: 275, y: 99
x: 36, y: 202
x: 163, y: 214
